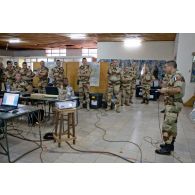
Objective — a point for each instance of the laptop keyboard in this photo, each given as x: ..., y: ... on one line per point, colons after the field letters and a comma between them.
x: 3, y: 107
x: 6, y: 108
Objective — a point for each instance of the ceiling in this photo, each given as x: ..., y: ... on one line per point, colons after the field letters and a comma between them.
x: 62, y: 40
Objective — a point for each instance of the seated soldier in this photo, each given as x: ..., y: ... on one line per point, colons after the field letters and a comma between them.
x: 65, y: 90
x: 21, y: 85
x: 67, y: 87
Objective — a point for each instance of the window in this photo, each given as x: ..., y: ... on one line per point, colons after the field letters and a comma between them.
x: 50, y: 59
x: 89, y: 52
x: 55, y: 52
x: 80, y: 60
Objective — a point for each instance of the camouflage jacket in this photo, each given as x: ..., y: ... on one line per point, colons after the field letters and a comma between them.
x: 146, y: 79
x: 43, y: 74
x: 133, y: 73
x: 166, y: 79
x: 27, y: 74
x: 114, y: 75
x: 57, y: 73
x: 126, y: 78
x: 176, y: 80
x: 84, y: 73
x: 21, y: 86
x: 10, y: 75
x: 17, y: 69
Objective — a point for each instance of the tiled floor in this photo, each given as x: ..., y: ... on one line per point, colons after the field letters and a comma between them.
x: 136, y: 123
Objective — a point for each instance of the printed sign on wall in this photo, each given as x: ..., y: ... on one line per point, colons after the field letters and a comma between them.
x: 95, y: 75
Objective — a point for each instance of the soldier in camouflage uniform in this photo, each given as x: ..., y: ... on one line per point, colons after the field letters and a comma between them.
x: 17, y: 67
x: 57, y: 74
x: 21, y: 85
x: 43, y: 77
x: 146, y: 80
x: 2, y: 70
x: 175, y: 91
x: 133, y: 75
x: 84, y: 73
x: 9, y: 73
x: 125, y: 86
x: 26, y: 73
x: 114, y: 83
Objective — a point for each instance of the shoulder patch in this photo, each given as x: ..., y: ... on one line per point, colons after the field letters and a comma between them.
x: 178, y: 77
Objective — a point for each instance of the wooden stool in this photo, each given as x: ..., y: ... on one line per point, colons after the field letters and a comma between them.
x: 62, y: 135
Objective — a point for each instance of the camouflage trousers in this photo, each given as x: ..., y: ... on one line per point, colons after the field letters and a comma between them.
x: 146, y: 91
x: 169, y: 127
x: 114, y: 89
x: 125, y: 89
x: 132, y: 88
x: 84, y: 92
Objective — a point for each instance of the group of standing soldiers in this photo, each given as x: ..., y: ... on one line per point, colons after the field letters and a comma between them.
x: 121, y: 84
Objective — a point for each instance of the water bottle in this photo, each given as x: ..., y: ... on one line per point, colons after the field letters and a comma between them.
x: 8, y: 87
x: 68, y: 91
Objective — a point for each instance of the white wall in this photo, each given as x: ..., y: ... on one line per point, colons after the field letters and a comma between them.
x: 185, y: 47
x: 74, y: 52
x: 153, y: 50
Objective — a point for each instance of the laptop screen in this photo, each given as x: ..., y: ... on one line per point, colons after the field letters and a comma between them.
x: 10, y: 99
x: 51, y: 90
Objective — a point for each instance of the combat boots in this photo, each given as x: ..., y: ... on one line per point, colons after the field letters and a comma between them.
x: 143, y: 101
x: 171, y: 147
x: 146, y: 101
x: 130, y: 101
x: 166, y: 150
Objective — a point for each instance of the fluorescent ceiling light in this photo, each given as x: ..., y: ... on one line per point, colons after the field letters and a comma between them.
x: 133, y: 42
x: 14, y: 41
x: 77, y: 36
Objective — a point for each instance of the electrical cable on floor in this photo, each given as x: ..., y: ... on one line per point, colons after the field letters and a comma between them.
x: 78, y: 150
x: 114, y: 141
x: 99, y: 152
x: 26, y: 139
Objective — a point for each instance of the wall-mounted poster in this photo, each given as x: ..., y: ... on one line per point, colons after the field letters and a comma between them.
x: 193, y: 70
x: 95, y: 74
x: 155, y: 66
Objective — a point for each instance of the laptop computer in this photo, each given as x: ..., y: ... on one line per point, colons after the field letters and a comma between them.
x: 51, y: 90
x: 9, y: 102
